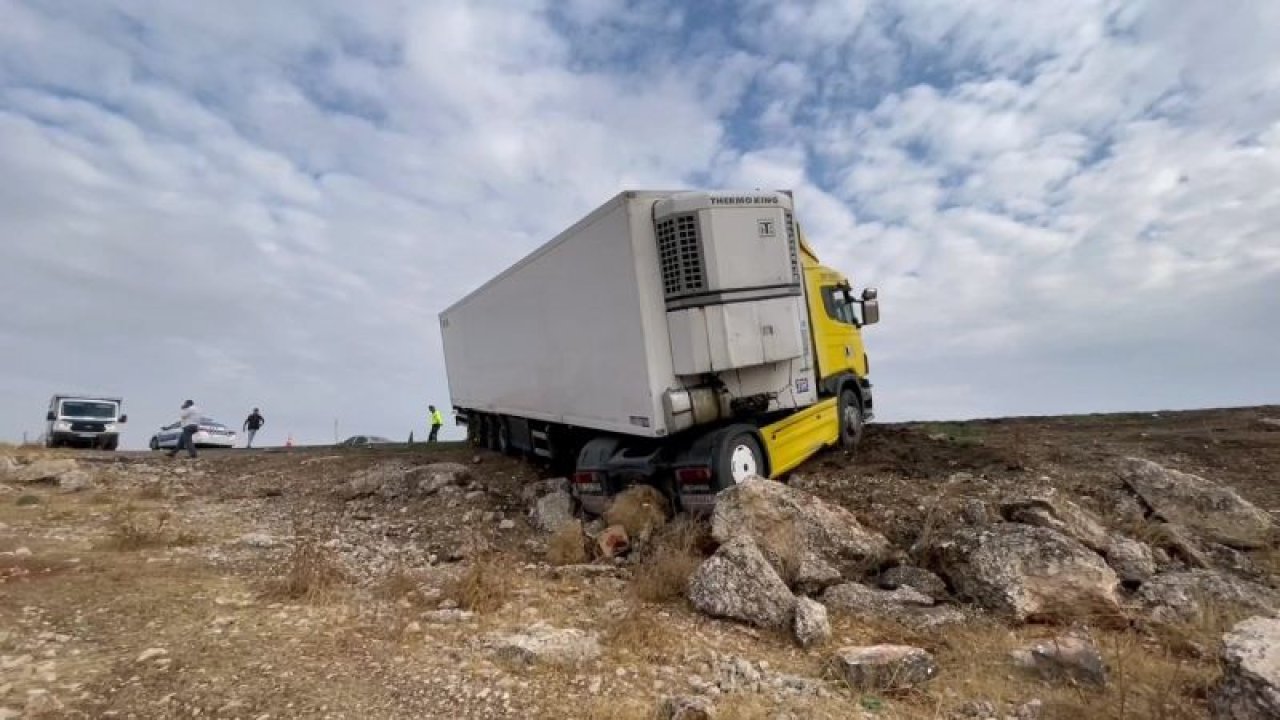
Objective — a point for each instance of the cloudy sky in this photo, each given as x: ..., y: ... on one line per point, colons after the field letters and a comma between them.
x: 1068, y: 205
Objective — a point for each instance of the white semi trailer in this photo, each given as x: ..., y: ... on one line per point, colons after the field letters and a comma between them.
x: 683, y: 339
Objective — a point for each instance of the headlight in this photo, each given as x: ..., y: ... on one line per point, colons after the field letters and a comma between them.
x: 62, y: 425
x: 111, y: 427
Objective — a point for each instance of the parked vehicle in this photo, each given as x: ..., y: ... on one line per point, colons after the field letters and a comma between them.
x: 84, y: 421
x: 687, y: 340
x: 365, y: 440
x: 211, y: 434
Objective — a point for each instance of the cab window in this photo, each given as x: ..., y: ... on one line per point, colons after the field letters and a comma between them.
x: 838, y: 307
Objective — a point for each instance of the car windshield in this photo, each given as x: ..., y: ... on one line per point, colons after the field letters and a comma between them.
x: 87, y: 409
x: 210, y: 422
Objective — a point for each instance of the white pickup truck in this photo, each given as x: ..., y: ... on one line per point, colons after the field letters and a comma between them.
x: 84, y: 421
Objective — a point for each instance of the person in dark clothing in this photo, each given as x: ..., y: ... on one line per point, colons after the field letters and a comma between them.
x: 190, y: 423
x: 252, y: 425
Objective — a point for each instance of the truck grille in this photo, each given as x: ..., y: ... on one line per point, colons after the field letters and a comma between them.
x: 680, y: 252
x: 87, y: 427
x: 791, y: 246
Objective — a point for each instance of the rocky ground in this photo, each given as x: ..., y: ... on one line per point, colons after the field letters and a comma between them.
x: 1097, y: 566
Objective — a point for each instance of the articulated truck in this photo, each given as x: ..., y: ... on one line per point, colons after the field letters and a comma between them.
x: 686, y: 340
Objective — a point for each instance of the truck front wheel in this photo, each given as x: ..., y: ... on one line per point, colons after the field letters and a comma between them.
x: 739, y: 458
x: 851, y: 420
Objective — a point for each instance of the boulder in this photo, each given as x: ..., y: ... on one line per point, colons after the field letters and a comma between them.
x: 1213, y: 511
x: 810, y: 543
x: 811, y: 626
x: 542, y: 644
x: 1050, y: 510
x: 1250, y: 686
x: 1183, y: 596
x: 75, y: 481
x: 1133, y: 561
x: 974, y: 512
x: 737, y: 582
x: 1026, y: 572
x: 686, y: 707
x: 883, y: 667
x: 1072, y: 658
x: 530, y: 492
x: 915, y: 578
x: 552, y: 510
x: 905, y: 606
x: 45, y: 470
x: 431, y: 479
x: 8, y: 466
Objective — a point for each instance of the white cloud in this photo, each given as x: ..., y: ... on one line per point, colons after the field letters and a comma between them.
x: 268, y: 205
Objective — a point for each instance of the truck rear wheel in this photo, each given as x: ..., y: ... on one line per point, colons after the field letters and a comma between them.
x: 502, y: 437
x: 738, y: 458
x: 851, y: 420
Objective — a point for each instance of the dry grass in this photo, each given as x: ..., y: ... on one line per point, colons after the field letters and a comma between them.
x: 311, y: 572
x: 677, y: 550
x: 128, y: 530
x: 401, y: 583
x: 484, y: 586
x: 642, y: 634
x: 153, y: 491
x: 639, y: 509
x: 1147, y: 679
x: 568, y: 545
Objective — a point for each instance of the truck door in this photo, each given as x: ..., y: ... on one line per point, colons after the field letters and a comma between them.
x: 836, y: 334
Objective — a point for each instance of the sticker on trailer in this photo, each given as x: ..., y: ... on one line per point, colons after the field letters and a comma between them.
x: 802, y: 385
x: 767, y: 228
x: 640, y: 420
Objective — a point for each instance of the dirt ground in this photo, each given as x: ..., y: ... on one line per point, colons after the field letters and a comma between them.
x: 241, y: 586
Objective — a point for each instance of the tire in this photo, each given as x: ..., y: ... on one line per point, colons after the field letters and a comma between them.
x: 851, y: 420
x: 155, y: 443
x: 475, y: 431
x: 738, y: 456
x: 491, y: 437
x: 111, y: 445
x: 502, y: 437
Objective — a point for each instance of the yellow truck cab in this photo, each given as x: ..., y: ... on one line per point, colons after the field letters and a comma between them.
x: 836, y: 321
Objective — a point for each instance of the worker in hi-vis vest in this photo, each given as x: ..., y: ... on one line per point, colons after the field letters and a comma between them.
x: 436, y: 421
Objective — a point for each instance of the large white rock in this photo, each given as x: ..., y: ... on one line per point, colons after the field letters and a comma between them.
x: 812, y: 544
x: 883, y: 667
x: 738, y: 583
x: 1213, y: 511
x: 45, y: 470
x: 1183, y: 596
x: 811, y: 626
x: 1250, y: 687
x: 543, y: 644
x: 1026, y: 572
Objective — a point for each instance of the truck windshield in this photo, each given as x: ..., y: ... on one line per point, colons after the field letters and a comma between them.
x: 86, y: 409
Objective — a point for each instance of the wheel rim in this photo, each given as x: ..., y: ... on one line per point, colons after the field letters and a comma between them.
x: 743, y: 463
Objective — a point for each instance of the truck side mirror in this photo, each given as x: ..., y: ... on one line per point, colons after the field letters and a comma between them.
x: 123, y: 418
x: 50, y: 416
x: 870, y: 294
x: 870, y: 312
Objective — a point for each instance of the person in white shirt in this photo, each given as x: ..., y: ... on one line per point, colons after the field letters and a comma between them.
x: 190, y: 423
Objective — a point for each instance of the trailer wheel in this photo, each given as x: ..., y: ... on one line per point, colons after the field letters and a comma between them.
x: 739, y: 457
x: 502, y: 437
x: 851, y: 420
